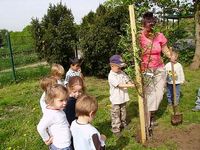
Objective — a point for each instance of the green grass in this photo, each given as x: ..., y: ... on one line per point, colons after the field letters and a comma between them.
x: 20, y: 111
x: 19, y: 60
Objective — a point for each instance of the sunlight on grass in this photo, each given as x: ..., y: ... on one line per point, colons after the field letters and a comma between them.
x: 20, y: 112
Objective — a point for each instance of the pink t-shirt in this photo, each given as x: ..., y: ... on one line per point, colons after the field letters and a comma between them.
x: 151, y: 51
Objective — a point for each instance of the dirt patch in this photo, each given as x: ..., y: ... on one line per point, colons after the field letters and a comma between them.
x: 183, y: 138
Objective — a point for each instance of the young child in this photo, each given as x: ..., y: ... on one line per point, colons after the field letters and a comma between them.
x: 58, y: 71
x: 74, y: 70
x: 53, y: 126
x: 76, y: 88
x: 119, y: 82
x: 85, y: 136
x: 44, y: 84
x: 179, y: 78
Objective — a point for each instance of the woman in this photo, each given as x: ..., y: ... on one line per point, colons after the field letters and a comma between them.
x: 152, y: 66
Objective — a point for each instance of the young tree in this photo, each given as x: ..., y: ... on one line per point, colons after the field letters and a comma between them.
x: 55, y: 35
x: 196, y: 60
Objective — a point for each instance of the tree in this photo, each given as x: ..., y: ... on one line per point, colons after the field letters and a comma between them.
x: 99, y: 36
x: 196, y: 60
x: 55, y: 35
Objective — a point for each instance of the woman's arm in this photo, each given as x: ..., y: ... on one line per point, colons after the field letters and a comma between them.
x: 167, y: 51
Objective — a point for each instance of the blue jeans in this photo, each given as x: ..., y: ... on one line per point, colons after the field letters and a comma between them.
x: 170, y: 95
x: 53, y: 147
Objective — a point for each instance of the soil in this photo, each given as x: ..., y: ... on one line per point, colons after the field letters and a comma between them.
x: 184, y: 138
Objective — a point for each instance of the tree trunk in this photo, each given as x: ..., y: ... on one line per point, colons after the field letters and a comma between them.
x: 196, y: 60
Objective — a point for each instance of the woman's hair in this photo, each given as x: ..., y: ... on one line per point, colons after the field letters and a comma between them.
x: 85, y: 105
x: 54, y: 92
x: 46, y: 82
x: 57, y: 70
x: 148, y: 17
x: 75, y: 80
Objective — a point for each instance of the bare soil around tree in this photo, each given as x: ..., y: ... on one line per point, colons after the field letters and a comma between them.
x: 187, y: 138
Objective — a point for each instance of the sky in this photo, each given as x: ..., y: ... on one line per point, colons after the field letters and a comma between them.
x: 17, y: 14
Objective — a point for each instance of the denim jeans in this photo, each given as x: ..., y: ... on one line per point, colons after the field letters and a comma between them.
x: 53, y: 147
x: 170, y: 95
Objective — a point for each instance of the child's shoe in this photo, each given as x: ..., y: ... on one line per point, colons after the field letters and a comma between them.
x: 196, y: 108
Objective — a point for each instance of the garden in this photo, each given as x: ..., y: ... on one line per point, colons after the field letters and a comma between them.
x: 56, y: 38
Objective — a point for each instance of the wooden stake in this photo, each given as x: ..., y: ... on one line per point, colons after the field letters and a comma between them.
x: 138, y: 75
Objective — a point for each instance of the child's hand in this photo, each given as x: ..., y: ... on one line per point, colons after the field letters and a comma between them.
x: 74, y: 95
x: 131, y: 85
x: 49, y: 141
x: 103, y: 137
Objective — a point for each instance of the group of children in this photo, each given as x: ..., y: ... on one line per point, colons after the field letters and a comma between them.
x: 68, y: 111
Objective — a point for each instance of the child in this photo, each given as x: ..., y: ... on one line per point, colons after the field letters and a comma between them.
x: 119, y: 82
x: 57, y: 71
x: 197, y: 107
x: 76, y: 88
x: 53, y: 126
x: 178, y: 75
x: 85, y: 136
x: 74, y: 70
x: 44, y: 84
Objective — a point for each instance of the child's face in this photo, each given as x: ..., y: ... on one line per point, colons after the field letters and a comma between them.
x: 75, y: 67
x: 77, y: 91
x: 115, y: 68
x: 60, y: 102
x: 174, y: 58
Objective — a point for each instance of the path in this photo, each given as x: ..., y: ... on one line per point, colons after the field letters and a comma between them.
x: 27, y: 66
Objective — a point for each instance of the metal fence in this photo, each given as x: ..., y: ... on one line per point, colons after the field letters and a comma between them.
x: 16, y: 52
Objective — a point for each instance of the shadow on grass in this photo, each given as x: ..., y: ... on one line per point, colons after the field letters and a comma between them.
x: 101, y: 97
x: 120, y: 143
x: 132, y: 111
x: 104, y: 128
x: 163, y: 107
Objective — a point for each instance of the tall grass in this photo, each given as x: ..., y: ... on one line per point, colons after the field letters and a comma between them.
x: 20, y: 112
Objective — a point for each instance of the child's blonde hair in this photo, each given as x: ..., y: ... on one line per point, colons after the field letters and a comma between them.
x: 57, y: 70
x: 46, y: 82
x: 54, y: 92
x: 75, y: 80
x: 85, y: 105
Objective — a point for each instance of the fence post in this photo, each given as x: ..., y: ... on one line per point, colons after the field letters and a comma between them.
x: 11, y: 54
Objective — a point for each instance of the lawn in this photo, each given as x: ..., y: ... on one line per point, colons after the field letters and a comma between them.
x: 20, y: 113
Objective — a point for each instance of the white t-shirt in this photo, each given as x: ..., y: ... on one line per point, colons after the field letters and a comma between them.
x: 82, y: 136
x: 118, y: 95
x: 54, y: 122
x: 178, y: 73
x: 71, y: 73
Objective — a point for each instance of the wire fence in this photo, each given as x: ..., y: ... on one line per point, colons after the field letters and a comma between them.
x: 16, y: 52
x: 23, y: 52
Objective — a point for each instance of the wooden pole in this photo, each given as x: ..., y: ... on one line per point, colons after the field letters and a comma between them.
x: 138, y: 75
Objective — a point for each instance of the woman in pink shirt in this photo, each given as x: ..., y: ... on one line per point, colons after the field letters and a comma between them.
x: 152, y: 66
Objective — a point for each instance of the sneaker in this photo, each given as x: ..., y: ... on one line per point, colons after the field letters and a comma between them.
x: 197, y: 101
x: 196, y: 108
x: 154, y: 123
